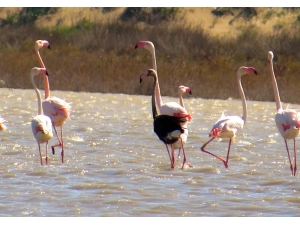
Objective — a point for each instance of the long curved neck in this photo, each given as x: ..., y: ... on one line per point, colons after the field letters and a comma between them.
x: 157, y: 89
x: 40, y: 109
x: 275, y: 87
x: 242, y: 94
x: 46, y: 81
x: 181, y: 99
x: 154, y: 109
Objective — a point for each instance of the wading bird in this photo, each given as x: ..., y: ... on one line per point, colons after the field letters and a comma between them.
x: 57, y: 109
x: 2, y: 126
x: 287, y: 121
x: 41, y: 125
x: 167, y: 108
x: 227, y: 126
x: 169, y: 129
x: 182, y: 89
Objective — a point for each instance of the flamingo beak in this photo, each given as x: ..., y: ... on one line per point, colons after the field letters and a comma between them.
x: 49, y: 46
x: 47, y: 73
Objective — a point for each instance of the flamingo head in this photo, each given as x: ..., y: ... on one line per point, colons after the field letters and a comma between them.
x: 244, y: 70
x: 150, y: 72
x: 182, y: 89
x: 41, y: 43
x: 270, y: 55
x: 146, y: 44
x: 36, y: 70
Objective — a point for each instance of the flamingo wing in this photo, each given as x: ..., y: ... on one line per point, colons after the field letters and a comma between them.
x: 287, y: 122
x: 57, y: 109
x: 226, y: 127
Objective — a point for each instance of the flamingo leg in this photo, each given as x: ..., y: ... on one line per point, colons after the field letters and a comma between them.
x: 227, y: 158
x: 295, y: 163
x: 287, y: 149
x: 41, y: 159
x: 203, y: 150
x: 172, y: 164
x: 178, y: 154
x: 60, y: 140
x: 173, y: 158
x: 47, y: 152
x: 184, y: 157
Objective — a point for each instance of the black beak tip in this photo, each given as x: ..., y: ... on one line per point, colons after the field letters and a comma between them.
x: 47, y: 73
x: 255, y: 72
x: 190, y: 92
x: 49, y: 46
x: 141, y: 80
x: 135, y: 47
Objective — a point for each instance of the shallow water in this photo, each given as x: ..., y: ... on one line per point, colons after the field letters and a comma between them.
x: 116, y: 166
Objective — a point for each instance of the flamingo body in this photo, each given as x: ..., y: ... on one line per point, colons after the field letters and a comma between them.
x: 57, y: 109
x: 41, y: 128
x: 168, y: 128
x: 2, y: 125
x: 287, y: 122
x: 226, y: 127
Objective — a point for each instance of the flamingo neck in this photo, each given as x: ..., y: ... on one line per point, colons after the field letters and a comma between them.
x: 46, y: 80
x: 181, y: 100
x: 243, y: 98
x: 157, y: 89
x: 275, y: 87
x: 40, y: 109
x: 154, y: 109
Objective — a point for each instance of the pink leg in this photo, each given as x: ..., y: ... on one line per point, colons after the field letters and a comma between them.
x: 47, y: 152
x: 287, y: 149
x: 295, y: 164
x: 41, y: 159
x: 226, y: 164
x: 172, y: 164
x: 173, y: 157
x: 178, y: 154
x: 184, y: 157
x: 59, y: 144
x: 203, y: 150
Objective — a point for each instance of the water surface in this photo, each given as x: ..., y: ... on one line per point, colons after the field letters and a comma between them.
x: 116, y: 166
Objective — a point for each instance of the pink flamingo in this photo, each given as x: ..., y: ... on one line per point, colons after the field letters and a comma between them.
x: 181, y: 90
x: 287, y: 121
x: 41, y: 125
x: 168, y: 108
x: 168, y: 128
x: 2, y: 125
x: 57, y: 109
x: 227, y: 126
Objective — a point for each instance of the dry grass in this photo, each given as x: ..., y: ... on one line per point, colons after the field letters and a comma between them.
x: 103, y: 59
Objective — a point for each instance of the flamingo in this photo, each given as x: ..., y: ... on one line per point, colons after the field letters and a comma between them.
x: 57, y: 109
x: 227, y: 126
x: 169, y: 129
x: 167, y: 108
x: 2, y: 125
x: 41, y: 125
x: 182, y: 89
x: 287, y: 121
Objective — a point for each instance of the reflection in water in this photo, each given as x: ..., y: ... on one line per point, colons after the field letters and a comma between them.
x: 116, y: 166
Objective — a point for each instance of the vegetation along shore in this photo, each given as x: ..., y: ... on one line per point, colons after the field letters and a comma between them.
x: 92, y: 49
